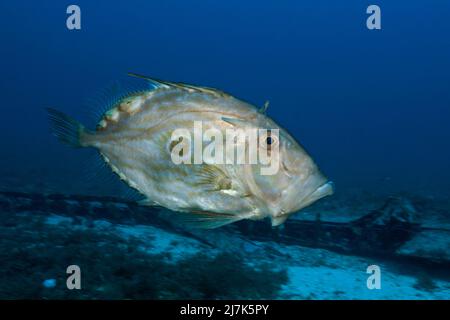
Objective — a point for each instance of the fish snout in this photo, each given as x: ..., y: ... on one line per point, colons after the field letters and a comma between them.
x: 304, y: 192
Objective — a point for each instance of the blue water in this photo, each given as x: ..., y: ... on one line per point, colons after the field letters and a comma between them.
x: 371, y: 106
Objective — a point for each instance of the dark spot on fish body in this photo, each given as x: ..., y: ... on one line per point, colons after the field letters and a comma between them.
x: 173, y: 143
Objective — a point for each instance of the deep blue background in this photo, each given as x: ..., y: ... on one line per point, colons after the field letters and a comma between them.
x: 373, y: 107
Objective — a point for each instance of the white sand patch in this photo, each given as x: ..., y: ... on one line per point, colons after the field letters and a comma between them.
x: 330, y: 283
x: 159, y: 241
x: 151, y: 239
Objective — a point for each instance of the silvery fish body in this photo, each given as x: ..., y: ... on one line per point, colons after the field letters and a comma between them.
x: 136, y: 138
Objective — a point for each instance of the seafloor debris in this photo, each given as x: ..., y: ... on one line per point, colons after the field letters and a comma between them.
x: 380, y: 231
x: 384, y: 232
x: 144, y: 256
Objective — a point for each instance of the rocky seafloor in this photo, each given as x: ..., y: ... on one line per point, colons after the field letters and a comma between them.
x: 134, y: 258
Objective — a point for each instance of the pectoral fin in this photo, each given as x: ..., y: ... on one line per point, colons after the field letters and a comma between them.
x: 213, y: 178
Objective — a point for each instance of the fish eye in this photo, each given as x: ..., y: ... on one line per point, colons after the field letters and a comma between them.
x: 268, y: 141
x: 271, y: 141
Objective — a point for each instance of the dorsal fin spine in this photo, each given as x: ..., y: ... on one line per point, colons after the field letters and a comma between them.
x: 182, y: 86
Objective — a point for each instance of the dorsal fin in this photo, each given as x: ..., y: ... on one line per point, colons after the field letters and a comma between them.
x: 157, y: 83
x: 264, y: 108
x: 182, y: 86
x: 239, y: 123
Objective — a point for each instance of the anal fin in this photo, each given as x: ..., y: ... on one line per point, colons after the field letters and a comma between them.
x: 148, y: 203
x: 205, y: 219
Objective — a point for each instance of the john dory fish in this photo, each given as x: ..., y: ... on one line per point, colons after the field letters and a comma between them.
x: 135, y: 137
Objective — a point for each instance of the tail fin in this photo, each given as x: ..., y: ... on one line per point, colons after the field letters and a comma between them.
x: 65, y: 128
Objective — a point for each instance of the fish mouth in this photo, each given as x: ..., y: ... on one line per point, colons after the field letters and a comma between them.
x: 325, y: 189
x: 318, y: 188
